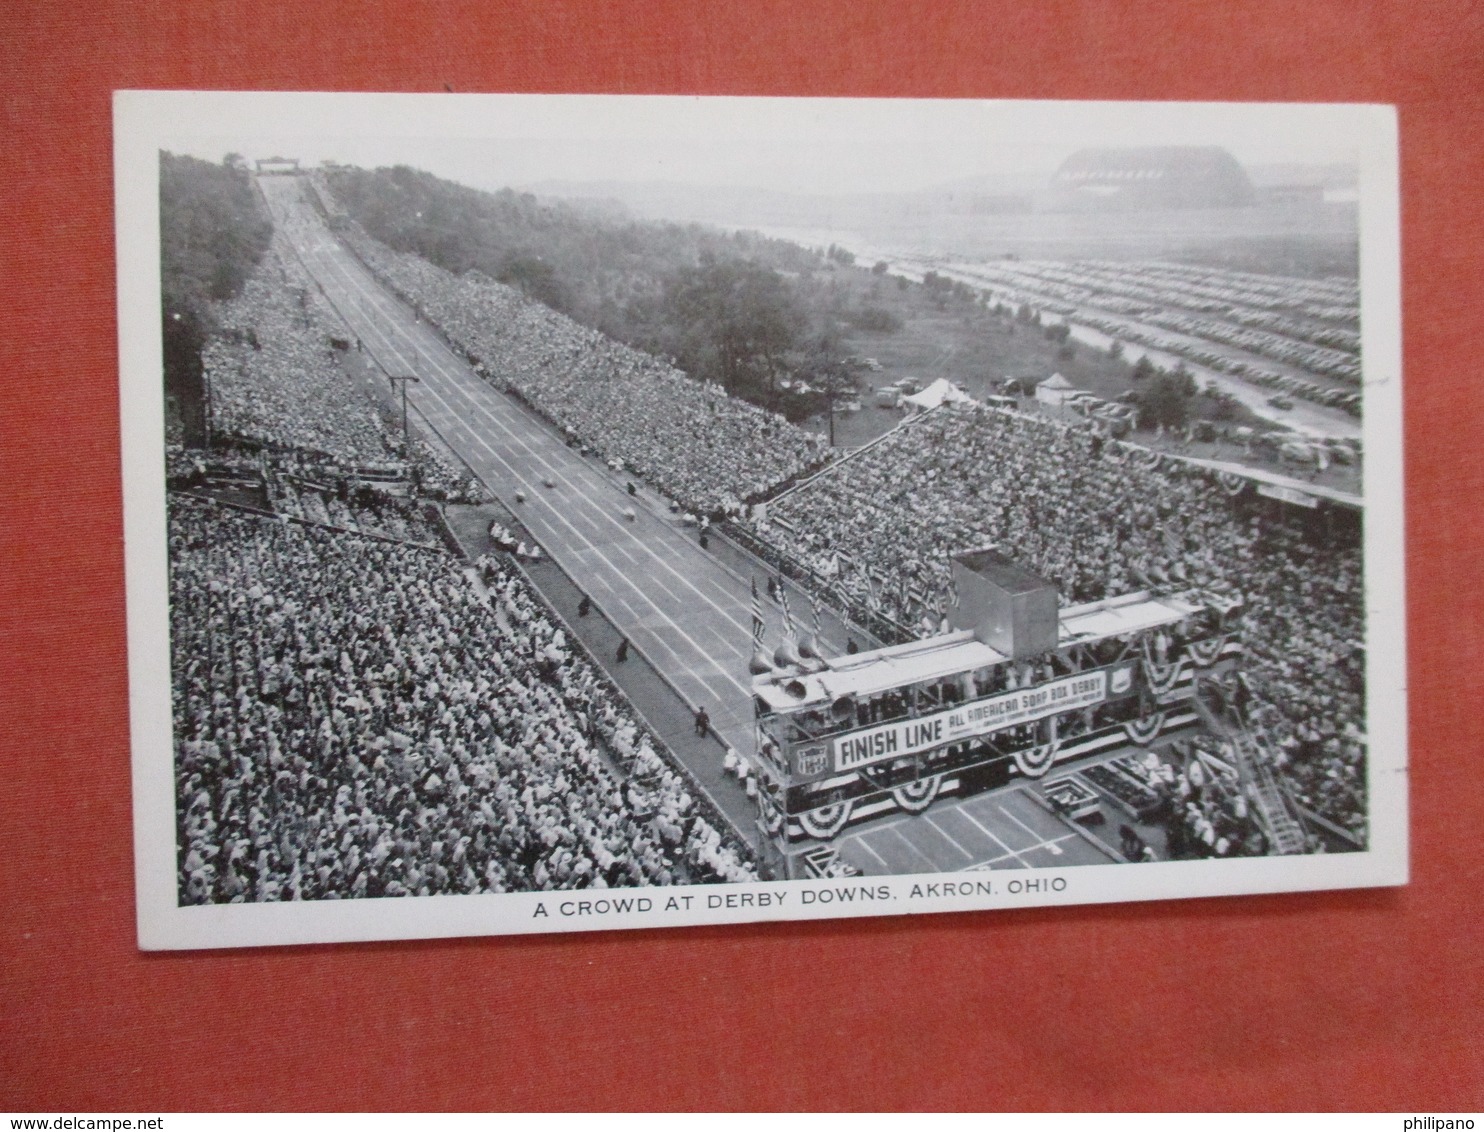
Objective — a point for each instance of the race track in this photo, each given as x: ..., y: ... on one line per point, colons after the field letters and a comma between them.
x: 688, y: 614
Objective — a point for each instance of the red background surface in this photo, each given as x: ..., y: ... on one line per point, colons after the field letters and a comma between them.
x: 1356, y: 999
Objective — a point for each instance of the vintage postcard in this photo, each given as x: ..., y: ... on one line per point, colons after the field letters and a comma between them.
x: 558, y: 513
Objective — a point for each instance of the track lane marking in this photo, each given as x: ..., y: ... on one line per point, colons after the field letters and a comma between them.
x: 462, y: 390
x: 690, y: 673
x: 1037, y: 834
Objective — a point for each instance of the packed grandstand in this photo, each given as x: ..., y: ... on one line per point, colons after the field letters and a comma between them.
x: 689, y: 439
x: 361, y: 713
x: 425, y: 735
x: 1089, y: 516
x: 356, y: 714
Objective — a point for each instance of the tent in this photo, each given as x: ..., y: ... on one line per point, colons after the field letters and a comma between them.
x: 1054, y: 390
x: 935, y: 394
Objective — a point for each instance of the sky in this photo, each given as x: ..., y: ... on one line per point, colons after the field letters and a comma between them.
x: 817, y: 146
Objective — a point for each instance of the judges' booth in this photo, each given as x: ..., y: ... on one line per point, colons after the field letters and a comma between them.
x: 1015, y: 687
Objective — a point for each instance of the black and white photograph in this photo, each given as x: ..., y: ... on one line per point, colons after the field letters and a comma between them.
x: 565, y: 513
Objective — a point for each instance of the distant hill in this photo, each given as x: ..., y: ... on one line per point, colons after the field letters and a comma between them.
x: 992, y: 216
x: 751, y: 207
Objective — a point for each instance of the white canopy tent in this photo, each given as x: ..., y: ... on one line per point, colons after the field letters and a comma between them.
x: 935, y: 394
x: 1054, y: 390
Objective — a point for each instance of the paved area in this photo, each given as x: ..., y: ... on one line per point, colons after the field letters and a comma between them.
x: 1004, y: 829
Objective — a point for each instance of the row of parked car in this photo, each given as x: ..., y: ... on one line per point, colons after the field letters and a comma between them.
x: 1337, y: 397
x: 1310, y: 325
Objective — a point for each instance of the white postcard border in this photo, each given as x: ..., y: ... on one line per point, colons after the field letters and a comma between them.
x: 147, y: 121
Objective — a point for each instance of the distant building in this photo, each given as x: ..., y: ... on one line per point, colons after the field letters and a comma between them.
x: 277, y: 166
x: 1148, y: 178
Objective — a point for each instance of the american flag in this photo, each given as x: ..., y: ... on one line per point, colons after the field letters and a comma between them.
x: 1174, y: 544
x: 757, y: 616
x: 788, y: 621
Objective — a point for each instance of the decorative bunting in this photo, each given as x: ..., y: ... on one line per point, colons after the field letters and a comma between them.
x: 1033, y: 762
x: 824, y: 823
x: 1142, y: 732
x: 916, y: 797
x: 758, y: 628
x: 1206, y: 653
x: 1162, y: 678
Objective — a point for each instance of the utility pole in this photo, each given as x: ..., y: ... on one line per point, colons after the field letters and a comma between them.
x: 404, y: 379
x: 206, y: 407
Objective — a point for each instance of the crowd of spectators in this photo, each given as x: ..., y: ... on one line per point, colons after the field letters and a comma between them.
x: 361, y: 509
x: 272, y: 374
x: 877, y: 530
x: 276, y: 380
x: 1204, y: 812
x: 709, y: 451
x: 359, y: 718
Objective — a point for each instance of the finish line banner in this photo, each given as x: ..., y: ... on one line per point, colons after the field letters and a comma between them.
x: 980, y: 717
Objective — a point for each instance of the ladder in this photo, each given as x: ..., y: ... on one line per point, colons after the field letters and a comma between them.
x: 1252, y: 756
x: 1275, y: 810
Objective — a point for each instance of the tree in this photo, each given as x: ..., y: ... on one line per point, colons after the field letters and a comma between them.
x: 879, y: 267
x: 1223, y: 405
x: 1185, y: 379
x: 830, y: 372
x: 1143, y: 368
x: 536, y: 279
x: 877, y: 319
x: 214, y: 230
x: 734, y: 321
x: 1163, y: 400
